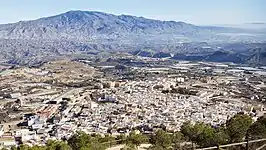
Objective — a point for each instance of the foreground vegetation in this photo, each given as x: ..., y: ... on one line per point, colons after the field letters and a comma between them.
x: 236, y: 129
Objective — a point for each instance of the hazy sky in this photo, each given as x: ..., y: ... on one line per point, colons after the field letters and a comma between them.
x: 192, y: 11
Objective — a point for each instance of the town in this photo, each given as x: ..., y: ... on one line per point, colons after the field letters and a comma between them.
x: 54, y: 100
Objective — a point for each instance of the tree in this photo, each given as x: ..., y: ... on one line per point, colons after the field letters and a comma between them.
x: 161, y: 139
x: 23, y: 147
x: 211, y: 136
x: 204, y: 135
x: 258, y: 129
x: 122, y: 138
x: 135, y: 139
x: 262, y: 120
x: 221, y: 137
x: 192, y: 132
x: 186, y: 130
x: 83, y: 141
x: 79, y: 140
x: 57, y: 145
x: 177, y: 138
x: 238, y: 126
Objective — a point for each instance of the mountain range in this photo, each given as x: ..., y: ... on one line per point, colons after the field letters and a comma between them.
x: 81, y: 32
x: 91, y: 25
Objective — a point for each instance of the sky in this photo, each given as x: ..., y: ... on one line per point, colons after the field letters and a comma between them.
x: 200, y: 12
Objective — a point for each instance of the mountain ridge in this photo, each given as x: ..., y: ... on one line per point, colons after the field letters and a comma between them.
x: 83, y: 32
x: 93, y: 25
x: 77, y: 22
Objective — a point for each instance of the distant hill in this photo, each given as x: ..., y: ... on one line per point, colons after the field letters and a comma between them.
x: 188, y: 57
x: 258, y: 57
x: 223, y: 56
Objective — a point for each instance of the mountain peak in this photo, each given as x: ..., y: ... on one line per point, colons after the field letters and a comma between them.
x: 81, y: 12
x: 79, y: 15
